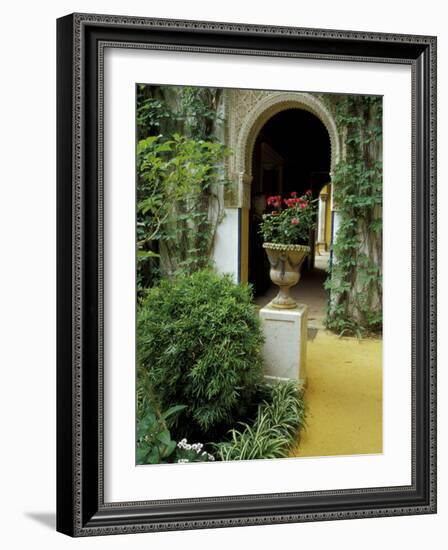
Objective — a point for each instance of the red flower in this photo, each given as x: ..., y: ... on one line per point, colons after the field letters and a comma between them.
x: 294, y: 194
x: 274, y: 200
x: 294, y: 201
x: 294, y: 221
x: 303, y: 204
x: 309, y: 192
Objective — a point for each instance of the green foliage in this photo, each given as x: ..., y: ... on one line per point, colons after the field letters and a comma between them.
x: 200, y: 344
x: 156, y: 446
x: 274, y: 431
x: 189, y: 110
x: 177, y: 186
x: 150, y: 112
x: 355, y: 280
x: 154, y: 443
x: 170, y: 172
x: 198, y: 110
x: 180, y: 177
x: 291, y: 220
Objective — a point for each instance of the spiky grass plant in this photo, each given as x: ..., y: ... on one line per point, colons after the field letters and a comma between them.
x: 274, y: 431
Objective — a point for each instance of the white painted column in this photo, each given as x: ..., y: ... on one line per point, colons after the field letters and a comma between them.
x: 226, y: 245
x: 322, y: 217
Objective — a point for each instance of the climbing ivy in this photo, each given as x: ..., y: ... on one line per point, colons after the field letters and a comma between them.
x: 355, y: 278
x: 176, y: 179
x: 180, y: 173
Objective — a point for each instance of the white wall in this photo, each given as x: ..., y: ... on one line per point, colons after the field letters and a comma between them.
x: 27, y: 230
x: 225, y: 251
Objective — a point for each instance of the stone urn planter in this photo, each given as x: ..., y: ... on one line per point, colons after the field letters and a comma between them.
x: 285, y: 261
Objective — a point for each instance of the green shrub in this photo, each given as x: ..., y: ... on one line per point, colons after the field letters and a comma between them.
x: 154, y: 443
x: 274, y: 431
x: 156, y: 446
x: 199, y: 340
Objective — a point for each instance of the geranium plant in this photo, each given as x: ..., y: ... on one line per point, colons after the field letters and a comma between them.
x: 290, y: 220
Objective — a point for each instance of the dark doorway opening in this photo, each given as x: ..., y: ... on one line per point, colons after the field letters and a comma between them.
x: 292, y: 152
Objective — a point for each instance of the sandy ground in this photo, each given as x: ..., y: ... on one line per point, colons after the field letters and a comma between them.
x: 343, y: 396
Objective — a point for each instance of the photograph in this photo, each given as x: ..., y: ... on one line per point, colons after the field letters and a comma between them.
x: 259, y: 302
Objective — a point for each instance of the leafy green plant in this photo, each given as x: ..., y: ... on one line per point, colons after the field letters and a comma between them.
x: 274, y: 431
x: 355, y: 278
x: 199, y: 342
x: 290, y: 221
x: 180, y: 169
x: 178, y: 200
x: 154, y: 443
x: 150, y: 113
x: 198, y: 109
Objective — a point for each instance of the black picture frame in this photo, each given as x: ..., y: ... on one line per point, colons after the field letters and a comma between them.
x: 81, y: 510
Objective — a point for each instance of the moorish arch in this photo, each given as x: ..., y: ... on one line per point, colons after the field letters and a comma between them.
x: 247, y: 111
x: 243, y: 130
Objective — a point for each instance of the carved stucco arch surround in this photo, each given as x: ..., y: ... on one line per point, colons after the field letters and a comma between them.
x: 254, y: 121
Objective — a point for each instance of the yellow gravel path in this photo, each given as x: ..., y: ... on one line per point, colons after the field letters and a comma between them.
x: 343, y: 397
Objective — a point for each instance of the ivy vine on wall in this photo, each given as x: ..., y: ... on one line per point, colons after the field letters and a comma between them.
x: 355, y: 279
x: 180, y: 172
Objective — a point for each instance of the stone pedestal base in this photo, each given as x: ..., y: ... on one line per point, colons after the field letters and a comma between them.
x: 284, y: 351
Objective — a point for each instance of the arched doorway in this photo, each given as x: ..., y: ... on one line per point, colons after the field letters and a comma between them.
x: 249, y: 111
x: 301, y: 117
x: 292, y: 153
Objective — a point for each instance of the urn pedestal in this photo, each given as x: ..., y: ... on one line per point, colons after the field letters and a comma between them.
x: 284, y: 349
x: 284, y: 322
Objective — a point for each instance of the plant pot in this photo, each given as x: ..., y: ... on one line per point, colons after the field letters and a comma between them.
x: 285, y: 261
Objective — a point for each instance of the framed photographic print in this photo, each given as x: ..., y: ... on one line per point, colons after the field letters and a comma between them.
x: 246, y: 274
